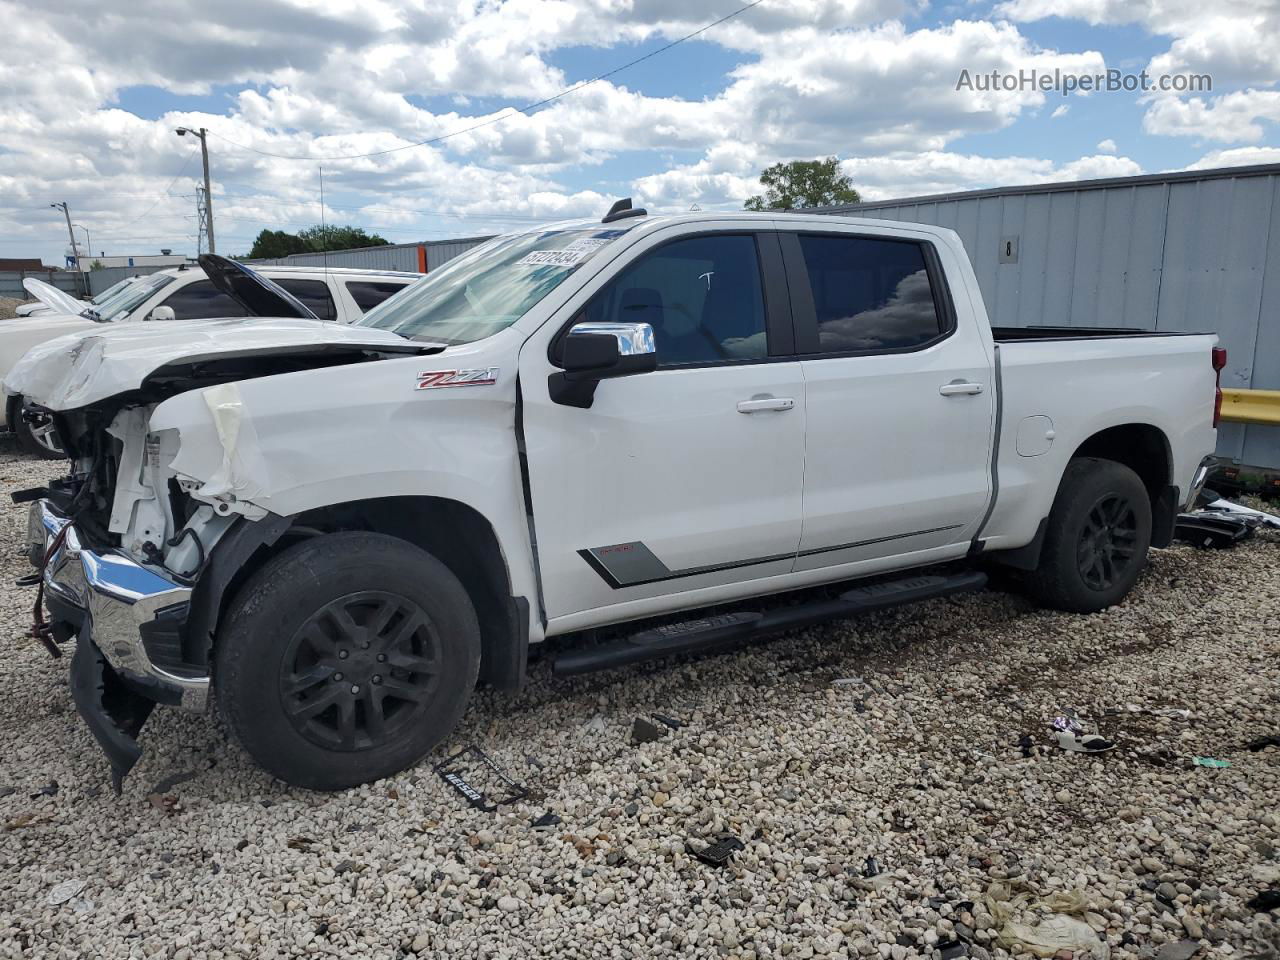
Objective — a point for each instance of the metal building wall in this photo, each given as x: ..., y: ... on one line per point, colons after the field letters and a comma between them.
x: 396, y: 256
x: 1188, y: 252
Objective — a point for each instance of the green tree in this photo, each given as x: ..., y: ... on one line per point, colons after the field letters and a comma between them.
x: 276, y: 243
x: 331, y: 237
x: 803, y: 183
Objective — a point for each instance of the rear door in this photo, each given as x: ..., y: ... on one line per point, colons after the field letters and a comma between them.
x: 900, y: 400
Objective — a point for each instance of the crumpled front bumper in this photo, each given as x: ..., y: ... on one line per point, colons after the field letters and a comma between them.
x: 111, y: 602
x: 116, y: 599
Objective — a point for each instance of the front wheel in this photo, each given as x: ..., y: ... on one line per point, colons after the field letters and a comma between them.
x: 345, y: 659
x: 1097, y: 537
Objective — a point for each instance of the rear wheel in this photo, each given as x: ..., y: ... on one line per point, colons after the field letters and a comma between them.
x: 346, y: 659
x: 1097, y: 537
x: 35, y: 431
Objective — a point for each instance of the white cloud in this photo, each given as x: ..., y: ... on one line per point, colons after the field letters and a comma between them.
x: 1059, y: 111
x: 1107, y: 146
x: 1237, y: 157
x: 1231, y: 118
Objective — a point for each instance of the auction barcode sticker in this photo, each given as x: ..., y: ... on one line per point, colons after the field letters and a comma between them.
x: 574, y: 253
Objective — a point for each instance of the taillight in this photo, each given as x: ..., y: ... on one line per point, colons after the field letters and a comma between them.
x: 1219, y: 356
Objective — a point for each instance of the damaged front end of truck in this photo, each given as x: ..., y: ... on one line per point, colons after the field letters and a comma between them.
x: 134, y: 556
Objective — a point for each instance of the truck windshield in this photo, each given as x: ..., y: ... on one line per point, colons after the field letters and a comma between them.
x: 124, y: 300
x: 489, y: 288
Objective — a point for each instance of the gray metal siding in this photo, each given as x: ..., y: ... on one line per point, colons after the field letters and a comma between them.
x: 396, y: 256
x: 1177, y: 253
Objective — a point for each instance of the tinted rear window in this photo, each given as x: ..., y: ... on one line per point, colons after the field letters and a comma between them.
x: 869, y: 294
x: 313, y: 293
x: 369, y: 293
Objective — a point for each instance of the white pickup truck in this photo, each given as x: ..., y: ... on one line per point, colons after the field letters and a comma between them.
x: 336, y: 530
x: 181, y: 293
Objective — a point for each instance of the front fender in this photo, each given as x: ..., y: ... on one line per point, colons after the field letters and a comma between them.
x: 302, y: 441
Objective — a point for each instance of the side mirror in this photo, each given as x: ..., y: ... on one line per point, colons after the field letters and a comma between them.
x: 597, y: 351
x: 161, y: 313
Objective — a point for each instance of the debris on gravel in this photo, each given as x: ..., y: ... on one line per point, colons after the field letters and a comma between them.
x: 925, y: 811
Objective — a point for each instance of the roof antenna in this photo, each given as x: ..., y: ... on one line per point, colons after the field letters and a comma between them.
x: 622, y: 209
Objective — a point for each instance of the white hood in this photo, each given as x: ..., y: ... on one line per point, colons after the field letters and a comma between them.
x: 52, y: 297
x: 76, y: 370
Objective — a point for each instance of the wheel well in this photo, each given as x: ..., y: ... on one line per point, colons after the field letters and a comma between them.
x: 1144, y: 449
x: 456, y: 535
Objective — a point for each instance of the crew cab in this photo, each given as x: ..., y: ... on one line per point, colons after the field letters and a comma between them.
x: 341, y: 294
x: 608, y: 428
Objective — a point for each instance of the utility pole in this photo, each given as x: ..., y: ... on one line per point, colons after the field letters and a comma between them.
x: 202, y: 218
x: 208, y: 193
x: 75, y: 250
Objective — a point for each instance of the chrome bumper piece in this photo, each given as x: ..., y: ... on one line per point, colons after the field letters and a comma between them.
x: 1198, y: 481
x: 117, y: 596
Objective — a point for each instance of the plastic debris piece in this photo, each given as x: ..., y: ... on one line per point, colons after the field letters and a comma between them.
x: 717, y: 853
x: 1083, y: 742
x: 644, y: 731
x: 1263, y: 742
x: 64, y: 891
x: 953, y: 949
x: 671, y: 722
x: 1210, y: 762
x: 474, y: 763
x: 1266, y: 900
x: 871, y: 867
x: 1056, y: 932
x: 1209, y: 529
x: 50, y: 789
x: 547, y: 821
x: 1226, y: 506
x: 1067, y: 724
x: 849, y: 682
x: 594, y: 725
x: 82, y: 906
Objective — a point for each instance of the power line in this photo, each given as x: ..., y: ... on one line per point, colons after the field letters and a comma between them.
x: 181, y: 170
x: 492, y: 120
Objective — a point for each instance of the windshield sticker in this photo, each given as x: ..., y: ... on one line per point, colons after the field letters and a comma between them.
x: 568, y: 256
x: 483, y: 377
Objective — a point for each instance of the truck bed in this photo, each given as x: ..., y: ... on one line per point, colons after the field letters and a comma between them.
x: 1036, y: 334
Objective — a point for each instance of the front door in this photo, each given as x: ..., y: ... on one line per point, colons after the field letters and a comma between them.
x: 683, y: 479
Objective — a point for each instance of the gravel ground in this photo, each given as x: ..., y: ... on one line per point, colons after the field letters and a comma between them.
x: 916, y: 764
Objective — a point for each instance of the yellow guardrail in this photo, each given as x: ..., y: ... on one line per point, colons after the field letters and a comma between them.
x: 1251, y: 406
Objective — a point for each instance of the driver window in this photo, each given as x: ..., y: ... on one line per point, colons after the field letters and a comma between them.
x: 702, y: 297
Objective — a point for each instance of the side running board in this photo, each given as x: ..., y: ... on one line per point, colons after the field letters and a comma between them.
x: 721, y: 631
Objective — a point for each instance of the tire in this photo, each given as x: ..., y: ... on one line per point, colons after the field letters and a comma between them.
x: 297, y: 674
x: 1096, y: 540
x: 42, y: 440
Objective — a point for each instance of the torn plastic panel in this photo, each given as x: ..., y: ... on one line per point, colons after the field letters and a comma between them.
x: 243, y: 473
x: 113, y: 712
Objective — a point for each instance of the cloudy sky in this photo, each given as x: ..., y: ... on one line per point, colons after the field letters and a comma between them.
x: 91, y: 90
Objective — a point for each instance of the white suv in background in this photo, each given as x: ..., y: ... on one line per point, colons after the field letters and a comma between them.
x: 183, y: 293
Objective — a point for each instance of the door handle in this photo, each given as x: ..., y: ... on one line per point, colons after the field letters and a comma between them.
x: 960, y: 388
x: 761, y: 404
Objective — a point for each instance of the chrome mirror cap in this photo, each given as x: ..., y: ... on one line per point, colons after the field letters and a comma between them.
x: 634, y: 339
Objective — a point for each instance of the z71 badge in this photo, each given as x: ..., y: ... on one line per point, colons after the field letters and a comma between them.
x: 483, y: 377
